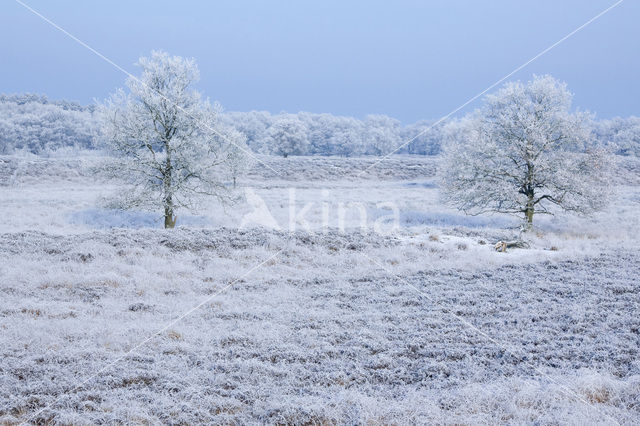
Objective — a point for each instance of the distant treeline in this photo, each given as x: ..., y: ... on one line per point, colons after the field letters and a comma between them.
x: 35, y: 124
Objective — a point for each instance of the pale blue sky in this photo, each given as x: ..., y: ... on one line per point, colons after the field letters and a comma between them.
x: 409, y: 59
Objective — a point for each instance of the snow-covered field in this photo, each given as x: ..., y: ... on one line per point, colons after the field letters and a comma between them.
x: 369, y: 317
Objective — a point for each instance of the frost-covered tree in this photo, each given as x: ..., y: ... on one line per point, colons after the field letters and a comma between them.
x: 627, y: 138
x: 253, y: 125
x: 165, y: 139
x: 289, y: 137
x: 335, y: 135
x: 621, y: 134
x: 381, y: 134
x: 424, y: 138
x: 238, y: 163
x: 520, y: 154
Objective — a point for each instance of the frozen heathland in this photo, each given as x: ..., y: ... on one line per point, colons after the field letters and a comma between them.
x: 107, y: 318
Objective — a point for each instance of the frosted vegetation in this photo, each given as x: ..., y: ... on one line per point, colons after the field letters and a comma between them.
x: 31, y: 123
x: 526, y: 152
x: 307, y: 282
x: 346, y: 327
x: 167, y: 142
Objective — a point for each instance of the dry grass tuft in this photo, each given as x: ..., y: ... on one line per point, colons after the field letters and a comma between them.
x: 172, y: 334
x: 33, y: 312
x: 597, y: 395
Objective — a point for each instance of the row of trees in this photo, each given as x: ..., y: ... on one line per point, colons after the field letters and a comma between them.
x: 35, y: 124
x: 326, y: 134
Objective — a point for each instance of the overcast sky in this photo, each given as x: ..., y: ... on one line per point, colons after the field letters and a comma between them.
x: 408, y: 59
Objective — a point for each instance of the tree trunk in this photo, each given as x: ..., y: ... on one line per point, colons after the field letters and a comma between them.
x: 169, y: 218
x: 528, y: 214
x: 529, y: 191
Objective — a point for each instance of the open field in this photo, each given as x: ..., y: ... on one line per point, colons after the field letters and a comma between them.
x: 418, y: 323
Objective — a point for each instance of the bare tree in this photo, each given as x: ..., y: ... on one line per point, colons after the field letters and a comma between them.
x: 523, y: 153
x: 166, y: 141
